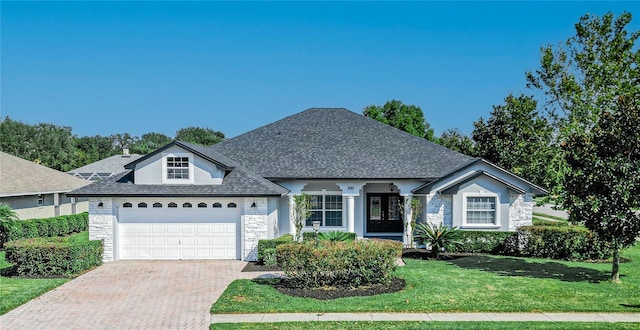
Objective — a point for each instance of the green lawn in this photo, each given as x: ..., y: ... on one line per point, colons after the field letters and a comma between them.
x: 425, y: 325
x: 15, y: 291
x: 469, y: 284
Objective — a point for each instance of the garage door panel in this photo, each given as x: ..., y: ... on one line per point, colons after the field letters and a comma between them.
x: 178, y: 233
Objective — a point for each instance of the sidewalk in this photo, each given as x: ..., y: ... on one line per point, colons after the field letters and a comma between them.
x: 518, y: 317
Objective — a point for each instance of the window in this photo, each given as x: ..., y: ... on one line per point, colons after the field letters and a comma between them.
x: 172, y: 205
x: 481, y: 210
x: 217, y: 205
x: 327, y: 209
x: 232, y: 205
x: 177, y: 167
x: 142, y: 205
x: 201, y: 205
x: 127, y: 204
x: 187, y: 205
x: 41, y: 199
x: 157, y: 204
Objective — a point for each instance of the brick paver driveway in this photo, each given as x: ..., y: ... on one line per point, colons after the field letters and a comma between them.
x: 132, y: 295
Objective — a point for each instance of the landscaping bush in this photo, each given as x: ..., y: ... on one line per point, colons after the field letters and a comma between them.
x: 568, y: 243
x: 49, y: 227
x: 269, y: 257
x: 330, y: 236
x: 480, y: 242
x: 340, y: 264
x: 54, y: 256
x: 549, y: 223
x: 265, y: 244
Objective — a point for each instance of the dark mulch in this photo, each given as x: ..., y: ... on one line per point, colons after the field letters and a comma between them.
x: 253, y: 266
x: 328, y: 293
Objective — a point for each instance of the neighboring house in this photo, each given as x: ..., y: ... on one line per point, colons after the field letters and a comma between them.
x: 105, y: 168
x: 185, y: 201
x: 36, y: 191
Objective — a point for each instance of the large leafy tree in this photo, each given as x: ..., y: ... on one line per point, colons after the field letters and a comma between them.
x: 149, y: 142
x: 199, y: 135
x: 592, y: 84
x: 517, y: 138
x: 90, y: 149
x: 408, y: 118
x: 454, y: 139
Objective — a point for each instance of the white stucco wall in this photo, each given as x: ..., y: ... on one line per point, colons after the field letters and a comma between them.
x: 150, y: 171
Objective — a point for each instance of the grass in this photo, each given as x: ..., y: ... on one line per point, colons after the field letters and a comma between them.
x: 469, y: 284
x: 549, y: 216
x: 425, y: 325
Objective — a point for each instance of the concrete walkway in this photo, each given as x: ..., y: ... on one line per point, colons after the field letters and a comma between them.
x: 517, y: 317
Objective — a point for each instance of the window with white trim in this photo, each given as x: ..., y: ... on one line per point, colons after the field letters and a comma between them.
x: 327, y: 209
x: 178, y: 168
x: 481, y: 210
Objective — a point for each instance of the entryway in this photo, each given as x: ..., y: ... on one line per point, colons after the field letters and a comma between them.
x: 384, y: 214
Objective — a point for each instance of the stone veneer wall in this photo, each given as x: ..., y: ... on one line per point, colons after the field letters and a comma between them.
x: 520, y: 210
x: 101, y: 221
x: 439, y: 209
x: 255, y: 227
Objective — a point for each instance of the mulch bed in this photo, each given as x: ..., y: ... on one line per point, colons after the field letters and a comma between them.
x: 328, y: 293
x: 253, y: 266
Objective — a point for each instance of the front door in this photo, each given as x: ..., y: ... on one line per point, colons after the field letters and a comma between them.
x: 384, y: 213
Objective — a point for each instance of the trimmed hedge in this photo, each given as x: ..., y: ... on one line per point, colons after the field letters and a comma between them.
x: 54, y: 256
x: 311, y: 236
x: 265, y: 244
x: 341, y: 264
x: 474, y: 241
x: 49, y: 227
x: 549, y: 223
x: 568, y: 243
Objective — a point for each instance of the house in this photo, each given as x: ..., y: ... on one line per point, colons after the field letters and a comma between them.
x: 185, y: 201
x: 104, y: 168
x: 36, y: 191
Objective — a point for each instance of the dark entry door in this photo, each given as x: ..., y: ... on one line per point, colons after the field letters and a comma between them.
x: 384, y: 213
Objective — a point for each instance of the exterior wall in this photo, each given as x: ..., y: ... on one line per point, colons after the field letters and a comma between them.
x: 151, y: 171
x: 483, y: 185
x: 102, y: 223
x: 520, y: 210
x: 254, y: 226
x: 439, y: 209
x: 272, y: 218
x: 26, y: 207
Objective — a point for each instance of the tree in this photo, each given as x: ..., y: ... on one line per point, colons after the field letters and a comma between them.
x: 123, y: 141
x: 199, y: 135
x: 149, y: 142
x: 301, y: 212
x: 592, y: 85
x: 408, y: 118
x: 517, y: 138
x: 455, y: 140
x: 90, y: 149
x: 7, y: 214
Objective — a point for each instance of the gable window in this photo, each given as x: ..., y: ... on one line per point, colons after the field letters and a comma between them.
x: 201, y: 205
x: 217, y: 205
x: 172, y: 205
x: 127, y: 204
x: 178, y: 168
x: 157, y: 204
x: 480, y: 210
x: 327, y: 209
x: 142, y: 205
x: 232, y: 205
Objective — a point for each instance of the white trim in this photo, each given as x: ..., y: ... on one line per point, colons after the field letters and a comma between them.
x: 496, y: 220
x: 324, y: 193
x: 163, y: 160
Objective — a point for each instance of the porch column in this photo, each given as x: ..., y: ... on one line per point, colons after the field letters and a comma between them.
x: 292, y: 205
x: 350, y: 214
x: 408, y: 230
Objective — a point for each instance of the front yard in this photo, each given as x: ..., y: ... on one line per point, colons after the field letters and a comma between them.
x: 15, y: 291
x: 468, y: 284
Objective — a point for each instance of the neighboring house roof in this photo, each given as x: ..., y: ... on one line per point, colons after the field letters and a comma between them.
x: 104, y: 168
x: 336, y: 143
x: 20, y: 177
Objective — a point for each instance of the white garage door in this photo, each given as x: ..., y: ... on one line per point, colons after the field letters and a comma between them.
x: 179, y: 233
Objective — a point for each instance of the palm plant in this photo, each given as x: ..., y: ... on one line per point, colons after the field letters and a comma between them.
x: 7, y: 214
x: 335, y: 236
x: 438, y: 237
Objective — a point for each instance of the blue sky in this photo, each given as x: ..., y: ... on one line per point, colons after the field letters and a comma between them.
x: 139, y: 67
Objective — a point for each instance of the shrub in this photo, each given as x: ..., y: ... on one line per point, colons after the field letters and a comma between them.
x: 473, y: 241
x: 49, y: 227
x: 265, y: 244
x: 549, y: 223
x: 54, y: 256
x: 568, y: 243
x: 334, y: 235
x: 269, y: 257
x: 341, y: 264
x: 438, y: 237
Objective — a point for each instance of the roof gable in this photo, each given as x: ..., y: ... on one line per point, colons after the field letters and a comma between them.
x: 336, y: 143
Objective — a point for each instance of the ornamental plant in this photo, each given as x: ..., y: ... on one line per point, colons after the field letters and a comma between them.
x: 438, y: 237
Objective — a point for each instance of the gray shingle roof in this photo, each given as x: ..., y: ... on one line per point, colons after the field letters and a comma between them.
x: 335, y: 143
x: 20, y: 177
x: 114, y: 164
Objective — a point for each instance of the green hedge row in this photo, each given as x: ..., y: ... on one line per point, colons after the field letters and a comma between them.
x: 265, y: 244
x: 473, y: 241
x: 568, y: 243
x: 340, y: 264
x: 54, y: 256
x: 49, y: 227
x: 549, y: 223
